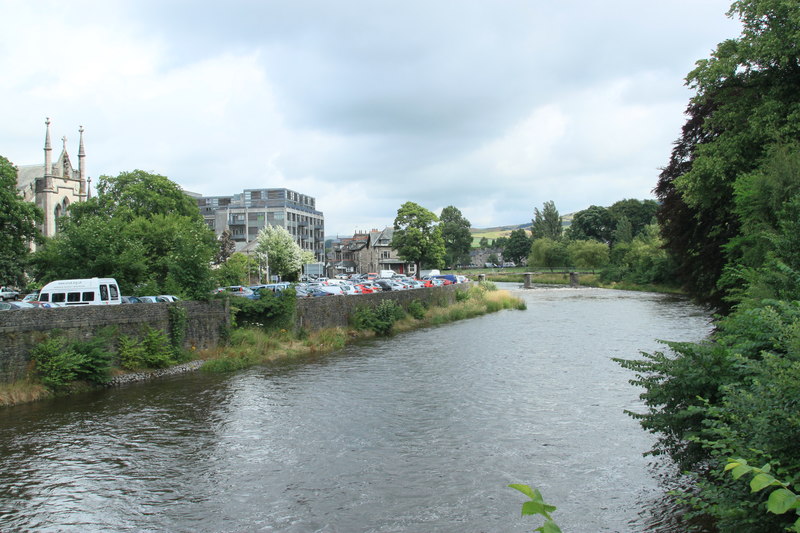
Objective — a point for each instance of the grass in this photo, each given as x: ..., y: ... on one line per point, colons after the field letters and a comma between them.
x: 22, y: 392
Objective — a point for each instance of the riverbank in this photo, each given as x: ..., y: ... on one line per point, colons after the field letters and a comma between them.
x: 584, y: 280
x: 249, y: 346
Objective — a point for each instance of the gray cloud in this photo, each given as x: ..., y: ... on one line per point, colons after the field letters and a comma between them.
x: 491, y: 107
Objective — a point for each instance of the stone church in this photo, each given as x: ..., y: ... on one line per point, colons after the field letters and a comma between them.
x: 54, y: 186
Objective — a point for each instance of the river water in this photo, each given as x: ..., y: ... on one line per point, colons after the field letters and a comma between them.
x: 418, y: 433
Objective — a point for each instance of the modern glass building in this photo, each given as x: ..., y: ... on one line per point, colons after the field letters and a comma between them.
x: 246, y: 213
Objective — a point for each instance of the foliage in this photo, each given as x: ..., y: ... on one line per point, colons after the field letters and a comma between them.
x: 137, y: 194
x: 746, y: 105
x: 177, y: 326
x: 518, y: 246
x: 153, y: 350
x: 588, y: 254
x: 60, y: 361
x: 638, y: 213
x: 281, y: 252
x: 641, y: 261
x: 236, y: 270
x: 780, y: 501
x: 417, y: 236
x: 537, y: 506
x: 416, y: 309
x: 18, y: 227
x: 456, y: 236
x: 380, y: 318
x: 272, y: 311
x: 546, y: 223
x: 147, y: 242
x: 594, y: 222
x: 548, y: 253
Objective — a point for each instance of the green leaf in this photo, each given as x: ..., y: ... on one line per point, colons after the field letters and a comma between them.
x: 782, y: 500
x: 741, y: 470
x: 549, y: 527
x: 761, y: 481
x: 733, y: 463
x: 524, y: 489
x: 537, y: 507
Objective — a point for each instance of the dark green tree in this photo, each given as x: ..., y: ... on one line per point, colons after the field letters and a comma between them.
x: 418, y: 237
x: 18, y: 227
x: 594, y: 222
x: 456, y: 235
x: 746, y: 104
x: 484, y: 242
x: 639, y: 213
x: 518, y: 246
x: 547, y: 222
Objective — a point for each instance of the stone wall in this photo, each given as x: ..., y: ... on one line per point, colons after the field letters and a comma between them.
x: 335, y: 311
x: 22, y: 329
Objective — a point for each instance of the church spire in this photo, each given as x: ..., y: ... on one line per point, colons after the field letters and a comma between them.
x: 82, y: 165
x: 48, y: 151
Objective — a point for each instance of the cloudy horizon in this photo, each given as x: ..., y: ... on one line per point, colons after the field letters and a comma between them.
x: 493, y: 107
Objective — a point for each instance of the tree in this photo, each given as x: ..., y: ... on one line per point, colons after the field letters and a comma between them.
x: 417, y: 236
x: 18, y: 226
x: 547, y: 222
x: 623, y: 232
x: 138, y: 193
x: 149, y: 244
x: 547, y: 253
x: 745, y: 105
x: 484, y: 242
x: 593, y: 222
x: 283, y: 255
x: 236, y: 270
x: 226, y: 247
x: 589, y: 254
x: 638, y: 213
x: 456, y: 236
x: 518, y: 246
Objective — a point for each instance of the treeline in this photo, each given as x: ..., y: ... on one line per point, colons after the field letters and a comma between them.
x: 622, y: 241
x: 730, y: 220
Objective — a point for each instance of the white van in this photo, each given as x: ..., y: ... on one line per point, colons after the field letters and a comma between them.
x: 93, y: 291
x: 386, y: 274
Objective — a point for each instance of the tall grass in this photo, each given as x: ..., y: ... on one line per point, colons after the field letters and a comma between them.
x: 22, y: 392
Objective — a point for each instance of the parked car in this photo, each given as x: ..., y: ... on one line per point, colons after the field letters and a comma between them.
x: 164, y: 298
x: 9, y: 306
x: 237, y: 290
x: 131, y: 300
x: 7, y: 293
x: 32, y: 297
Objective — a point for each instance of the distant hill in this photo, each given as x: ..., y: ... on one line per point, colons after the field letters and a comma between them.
x: 505, y: 231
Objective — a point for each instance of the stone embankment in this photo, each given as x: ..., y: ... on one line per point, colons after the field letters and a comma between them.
x: 124, y: 379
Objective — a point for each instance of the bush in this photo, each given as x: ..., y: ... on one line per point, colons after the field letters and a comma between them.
x: 60, y: 361
x: 270, y: 311
x: 379, y: 319
x: 416, y: 309
x: 154, y: 350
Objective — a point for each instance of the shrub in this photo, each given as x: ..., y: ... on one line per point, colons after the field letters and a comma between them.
x: 60, y: 361
x: 416, y: 309
x: 270, y: 311
x: 379, y: 319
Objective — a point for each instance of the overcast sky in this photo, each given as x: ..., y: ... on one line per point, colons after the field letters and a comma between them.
x: 493, y: 106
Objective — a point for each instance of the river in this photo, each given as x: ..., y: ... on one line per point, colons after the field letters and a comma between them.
x: 421, y: 432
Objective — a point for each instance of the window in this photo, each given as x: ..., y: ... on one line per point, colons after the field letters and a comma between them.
x: 44, y: 297
x: 73, y: 297
x: 104, y: 293
x: 88, y: 296
x: 58, y: 297
x: 114, y: 292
